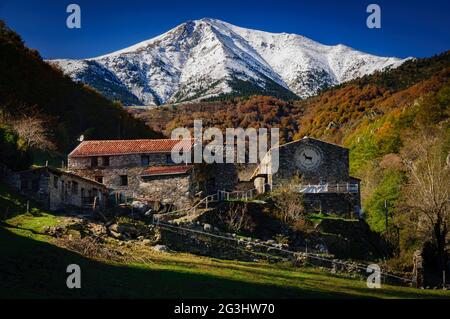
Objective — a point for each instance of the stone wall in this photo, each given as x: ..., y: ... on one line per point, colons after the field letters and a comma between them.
x: 225, y: 176
x: 9, y: 177
x: 333, y: 203
x: 178, y: 190
x: 334, y: 167
x: 118, y: 161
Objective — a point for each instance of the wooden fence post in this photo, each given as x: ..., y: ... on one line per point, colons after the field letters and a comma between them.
x: 94, y: 204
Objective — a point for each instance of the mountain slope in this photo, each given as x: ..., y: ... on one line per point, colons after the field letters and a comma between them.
x: 28, y: 85
x: 207, y: 58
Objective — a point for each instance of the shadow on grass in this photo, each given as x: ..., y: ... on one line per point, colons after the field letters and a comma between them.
x: 34, y: 269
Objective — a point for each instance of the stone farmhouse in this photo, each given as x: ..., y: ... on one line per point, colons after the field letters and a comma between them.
x: 320, y: 171
x: 143, y: 170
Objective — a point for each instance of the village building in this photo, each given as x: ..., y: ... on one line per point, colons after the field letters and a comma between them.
x: 317, y: 169
x: 143, y: 170
x: 57, y: 189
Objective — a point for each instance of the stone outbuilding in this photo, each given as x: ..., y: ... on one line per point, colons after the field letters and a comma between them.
x: 57, y: 189
x: 319, y: 170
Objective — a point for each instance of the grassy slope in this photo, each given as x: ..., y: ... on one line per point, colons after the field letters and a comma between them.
x: 33, y: 267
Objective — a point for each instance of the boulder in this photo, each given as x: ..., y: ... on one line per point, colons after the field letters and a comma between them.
x: 115, y: 234
x: 140, y: 207
x: 146, y: 242
x: 161, y: 248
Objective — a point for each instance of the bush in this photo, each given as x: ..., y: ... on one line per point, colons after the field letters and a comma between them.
x: 288, y: 203
x: 13, y: 153
x: 389, y: 190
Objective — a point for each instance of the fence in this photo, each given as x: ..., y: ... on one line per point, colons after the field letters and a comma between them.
x: 328, y: 188
x: 311, y: 258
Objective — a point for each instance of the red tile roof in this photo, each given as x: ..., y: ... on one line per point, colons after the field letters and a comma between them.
x: 120, y: 147
x: 166, y: 170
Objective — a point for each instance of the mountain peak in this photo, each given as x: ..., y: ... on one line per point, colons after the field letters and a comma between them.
x: 209, y: 57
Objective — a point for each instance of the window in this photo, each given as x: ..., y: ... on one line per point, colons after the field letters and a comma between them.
x: 99, y: 179
x: 145, y: 160
x: 105, y: 160
x: 75, y: 187
x: 169, y: 159
x: 55, y: 182
x: 94, y: 161
x: 123, y: 180
x: 23, y: 184
x: 35, y: 185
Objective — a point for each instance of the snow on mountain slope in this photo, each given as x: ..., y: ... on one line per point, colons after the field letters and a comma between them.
x: 207, y: 57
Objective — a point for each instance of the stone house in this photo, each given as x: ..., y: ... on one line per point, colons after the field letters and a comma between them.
x: 57, y: 189
x: 320, y: 171
x: 143, y: 170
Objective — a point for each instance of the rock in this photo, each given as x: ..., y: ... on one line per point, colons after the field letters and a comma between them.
x: 114, y: 227
x: 148, y: 213
x: 270, y: 242
x: 140, y: 207
x: 322, y: 248
x: 129, y: 230
x: 161, y: 248
x: 115, y: 234
x: 98, y: 229
x: 207, y: 227
x: 146, y: 242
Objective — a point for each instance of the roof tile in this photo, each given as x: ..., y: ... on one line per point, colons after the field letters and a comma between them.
x: 121, y: 147
x: 166, y: 170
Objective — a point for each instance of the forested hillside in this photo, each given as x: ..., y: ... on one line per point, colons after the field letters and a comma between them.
x: 32, y: 90
x: 391, y: 121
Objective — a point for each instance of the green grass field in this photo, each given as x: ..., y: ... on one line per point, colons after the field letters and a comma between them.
x: 31, y: 266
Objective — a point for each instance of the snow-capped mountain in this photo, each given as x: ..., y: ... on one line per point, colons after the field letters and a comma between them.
x: 207, y: 57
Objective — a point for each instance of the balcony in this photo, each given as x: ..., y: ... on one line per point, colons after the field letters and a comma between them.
x: 328, y: 188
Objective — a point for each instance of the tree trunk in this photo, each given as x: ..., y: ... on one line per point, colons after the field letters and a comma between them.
x: 440, y: 233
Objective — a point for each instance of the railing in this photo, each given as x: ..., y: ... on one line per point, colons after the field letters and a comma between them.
x: 218, y: 196
x: 328, y: 188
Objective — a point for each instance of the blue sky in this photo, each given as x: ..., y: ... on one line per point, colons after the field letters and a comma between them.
x: 409, y: 28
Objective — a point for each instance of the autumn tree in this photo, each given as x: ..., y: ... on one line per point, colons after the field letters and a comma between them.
x: 237, y: 218
x: 34, y: 131
x: 427, y: 195
x: 289, y: 202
